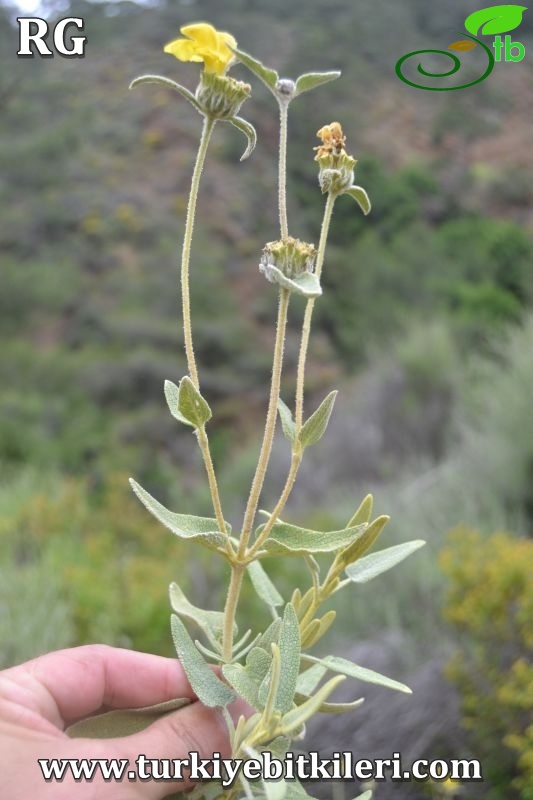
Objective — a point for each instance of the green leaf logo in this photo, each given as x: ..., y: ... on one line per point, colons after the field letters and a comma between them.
x: 495, y: 19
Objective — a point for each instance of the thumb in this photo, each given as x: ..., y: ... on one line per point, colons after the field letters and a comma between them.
x: 157, y: 750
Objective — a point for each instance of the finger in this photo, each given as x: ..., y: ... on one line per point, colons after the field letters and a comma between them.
x: 193, y: 729
x: 70, y: 684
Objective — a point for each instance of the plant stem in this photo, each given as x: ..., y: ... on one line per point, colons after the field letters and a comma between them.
x: 232, y: 598
x: 207, y: 130
x: 270, y: 425
x: 306, y: 327
x: 282, y: 168
x: 296, y: 460
x: 203, y: 441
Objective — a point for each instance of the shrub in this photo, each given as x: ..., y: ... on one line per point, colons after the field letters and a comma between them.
x: 490, y: 603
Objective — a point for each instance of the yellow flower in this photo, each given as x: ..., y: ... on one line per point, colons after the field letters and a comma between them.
x: 204, y: 43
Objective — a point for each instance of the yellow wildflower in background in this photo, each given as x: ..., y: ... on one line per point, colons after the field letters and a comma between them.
x: 204, y: 43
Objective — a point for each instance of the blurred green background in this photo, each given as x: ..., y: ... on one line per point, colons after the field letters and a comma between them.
x: 425, y: 326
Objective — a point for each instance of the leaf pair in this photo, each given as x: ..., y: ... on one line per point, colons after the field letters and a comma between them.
x: 313, y: 429
x: 242, y: 125
x: 284, y: 90
x: 186, y: 404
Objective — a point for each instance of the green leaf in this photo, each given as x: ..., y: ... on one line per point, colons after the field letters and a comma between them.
x: 363, y: 513
x: 291, y: 540
x: 365, y: 541
x: 324, y: 624
x: 270, y: 635
x: 306, y: 284
x: 289, y: 648
x: 361, y: 198
x: 309, y: 679
x: 338, y: 664
x: 209, y: 689
x: 124, y: 721
x: 364, y: 796
x: 315, y: 427
x: 211, y: 622
x: 313, y: 79
x: 191, y: 405
x: 249, y: 131
x: 172, y: 398
x: 161, y: 81
x: 247, y: 680
x: 374, y: 564
x: 200, y: 529
x: 298, y: 716
x: 269, y: 76
x: 287, y: 422
x: 495, y: 19
x: 332, y: 708
x: 263, y: 585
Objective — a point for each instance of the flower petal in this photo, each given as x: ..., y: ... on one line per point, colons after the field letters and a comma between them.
x: 202, y: 33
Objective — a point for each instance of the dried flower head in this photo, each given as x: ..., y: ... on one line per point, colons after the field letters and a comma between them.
x: 336, y: 166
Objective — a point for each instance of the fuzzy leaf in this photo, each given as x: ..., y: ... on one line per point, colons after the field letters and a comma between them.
x: 324, y: 624
x: 306, y: 284
x: 249, y: 131
x: 342, y: 665
x: 161, y: 81
x: 211, y: 622
x: 287, y: 422
x: 374, y: 564
x: 291, y: 540
x: 263, y: 585
x: 365, y: 541
x: 363, y: 513
x: 299, y: 715
x: 309, y: 679
x: 332, y: 708
x: 269, y: 76
x: 495, y: 19
x: 191, y: 405
x: 209, y: 689
x: 270, y: 635
x: 124, y: 721
x: 313, y: 79
x: 361, y: 198
x: 200, y: 529
x: 289, y: 647
x: 315, y: 427
x: 364, y: 796
x: 245, y: 686
x: 247, y: 680
x: 172, y: 398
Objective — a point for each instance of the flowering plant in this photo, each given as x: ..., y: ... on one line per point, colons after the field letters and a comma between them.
x: 270, y: 668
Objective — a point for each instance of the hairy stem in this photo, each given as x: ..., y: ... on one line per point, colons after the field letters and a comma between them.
x: 270, y: 425
x: 306, y: 327
x: 203, y: 441
x: 282, y: 169
x: 296, y: 460
x: 207, y: 130
x: 232, y: 598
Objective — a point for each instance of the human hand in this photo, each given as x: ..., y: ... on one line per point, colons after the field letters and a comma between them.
x: 42, y: 697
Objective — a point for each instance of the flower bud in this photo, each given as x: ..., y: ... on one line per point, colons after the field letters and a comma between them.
x: 221, y: 96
